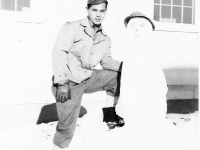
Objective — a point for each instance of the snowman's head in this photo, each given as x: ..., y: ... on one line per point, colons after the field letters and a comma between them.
x: 139, y: 35
x: 138, y: 26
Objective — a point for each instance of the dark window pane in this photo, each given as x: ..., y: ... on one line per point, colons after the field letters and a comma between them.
x: 157, y: 12
x: 187, y: 15
x: 8, y: 4
x: 22, y: 3
x: 177, y: 2
x: 166, y: 1
x: 176, y: 16
x: 187, y: 2
x: 166, y: 12
x: 157, y: 1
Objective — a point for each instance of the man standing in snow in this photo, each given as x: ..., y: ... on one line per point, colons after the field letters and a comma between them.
x: 79, y: 47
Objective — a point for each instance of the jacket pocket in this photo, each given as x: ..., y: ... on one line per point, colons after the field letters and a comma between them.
x: 77, y: 47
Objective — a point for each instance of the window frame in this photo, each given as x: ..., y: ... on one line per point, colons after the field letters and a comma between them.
x: 179, y: 27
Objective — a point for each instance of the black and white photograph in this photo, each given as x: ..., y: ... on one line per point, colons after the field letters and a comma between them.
x: 99, y: 74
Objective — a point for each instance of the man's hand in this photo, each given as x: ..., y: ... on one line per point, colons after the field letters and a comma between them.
x: 63, y: 93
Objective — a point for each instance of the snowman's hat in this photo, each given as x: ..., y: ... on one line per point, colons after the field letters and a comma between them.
x: 135, y: 15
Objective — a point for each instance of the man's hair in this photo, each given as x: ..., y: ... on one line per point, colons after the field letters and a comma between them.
x: 89, y: 5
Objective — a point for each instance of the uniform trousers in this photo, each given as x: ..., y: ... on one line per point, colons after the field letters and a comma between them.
x: 68, y: 112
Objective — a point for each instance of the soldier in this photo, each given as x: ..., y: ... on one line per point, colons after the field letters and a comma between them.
x: 79, y: 47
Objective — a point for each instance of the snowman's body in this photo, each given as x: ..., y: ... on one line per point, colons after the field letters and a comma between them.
x: 143, y: 88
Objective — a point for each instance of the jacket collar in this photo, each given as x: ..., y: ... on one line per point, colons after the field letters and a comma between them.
x: 93, y: 26
x: 88, y: 29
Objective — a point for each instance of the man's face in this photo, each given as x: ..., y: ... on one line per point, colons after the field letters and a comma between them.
x: 97, y: 13
x: 139, y: 28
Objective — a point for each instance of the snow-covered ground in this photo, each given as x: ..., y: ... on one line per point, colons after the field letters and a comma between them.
x: 91, y: 133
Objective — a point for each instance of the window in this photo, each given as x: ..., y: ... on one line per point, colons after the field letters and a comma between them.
x: 27, y: 11
x: 174, y: 11
x: 15, y: 5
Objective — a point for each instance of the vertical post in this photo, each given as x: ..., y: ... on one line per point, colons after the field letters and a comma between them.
x: 15, y: 5
x: 160, y: 10
x: 193, y: 11
x: 171, y: 12
x: 182, y: 11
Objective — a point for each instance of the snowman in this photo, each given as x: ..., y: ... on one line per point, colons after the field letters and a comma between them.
x: 144, y: 89
x: 143, y: 85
